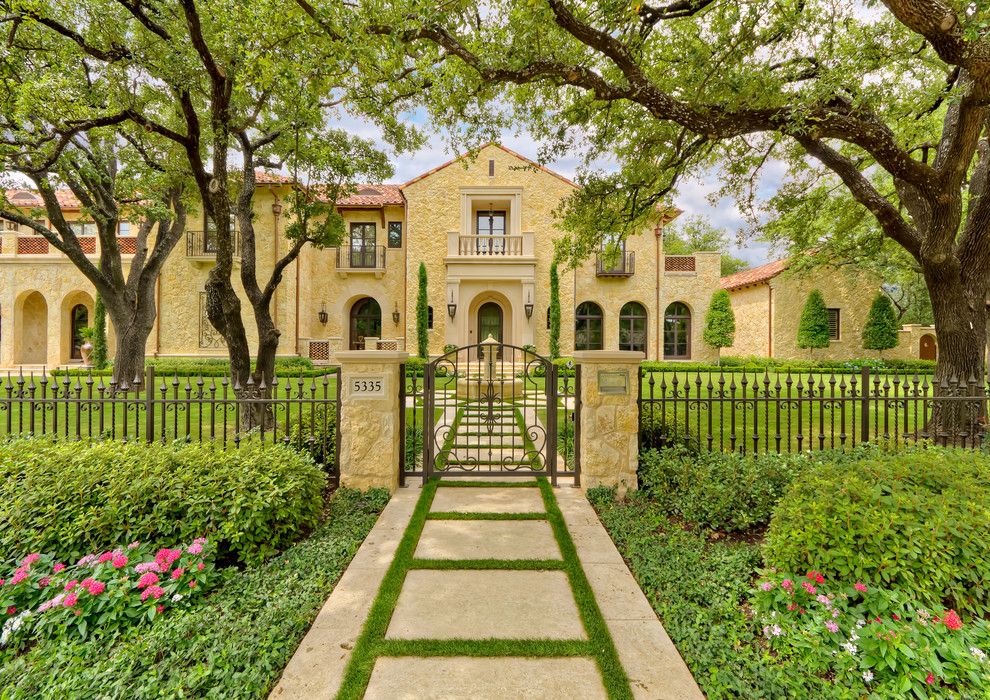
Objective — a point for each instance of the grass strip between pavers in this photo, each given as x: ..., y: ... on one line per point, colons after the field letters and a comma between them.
x: 492, y: 484
x: 455, y: 515
x: 372, y: 644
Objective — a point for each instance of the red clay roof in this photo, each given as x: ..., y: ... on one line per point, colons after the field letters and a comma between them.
x: 496, y: 145
x: 373, y: 195
x: 30, y: 198
x: 763, y: 273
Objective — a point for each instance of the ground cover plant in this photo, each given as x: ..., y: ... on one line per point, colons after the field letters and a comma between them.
x: 695, y: 538
x: 232, y: 643
x: 68, y: 499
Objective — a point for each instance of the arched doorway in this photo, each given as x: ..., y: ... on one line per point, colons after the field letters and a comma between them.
x: 490, y: 324
x: 31, y: 330
x: 366, y: 322
x: 928, y: 349
x: 632, y: 327
x: 677, y: 332
x: 79, y: 319
x: 589, y: 322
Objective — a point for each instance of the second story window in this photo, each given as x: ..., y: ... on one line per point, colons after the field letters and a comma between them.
x: 124, y: 229
x: 394, y: 234
x: 210, y: 236
x: 490, y: 224
x: 363, y: 241
x: 834, y: 326
x: 83, y: 228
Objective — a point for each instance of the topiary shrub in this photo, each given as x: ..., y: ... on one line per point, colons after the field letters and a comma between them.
x: 717, y: 490
x: 69, y: 499
x: 917, y: 521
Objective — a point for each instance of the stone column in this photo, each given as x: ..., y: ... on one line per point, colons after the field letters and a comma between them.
x: 369, y: 440
x: 609, y: 438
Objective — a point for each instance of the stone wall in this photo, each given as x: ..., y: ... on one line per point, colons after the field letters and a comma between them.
x: 751, y: 306
x: 694, y: 289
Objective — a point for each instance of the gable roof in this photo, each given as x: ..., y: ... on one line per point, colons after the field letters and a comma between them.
x: 373, y: 195
x: 483, y: 147
x: 31, y: 199
x: 757, y: 275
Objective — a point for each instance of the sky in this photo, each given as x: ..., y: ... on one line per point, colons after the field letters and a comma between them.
x: 693, y: 195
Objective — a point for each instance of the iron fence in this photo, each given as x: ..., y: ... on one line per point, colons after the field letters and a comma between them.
x: 88, y: 406
x: 766, y: 411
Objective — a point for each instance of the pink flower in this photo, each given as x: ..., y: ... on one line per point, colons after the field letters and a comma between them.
x: 861, y: 587
x: 43, y: 581
x: 86, y: 560
x: 148, y: 579
x: 166, y: 556
x: 195, y: 548
x: 192, y: 584
x: 30, y: 559
x: 70, y: 600
x: 71, y: 584
x: 58, y: 567
x: 87, y: 582
x: 792, y: 606
x: 177, y: 574
x: 2, y: 581
x: 200, y: 566
x: 134, y: 545
x: 97, y: 587
x: 160, y: 609
x: 951, y: 620
x: 787, y: 584
x: 146, y: 566
x: 808, y: 587
x: 18, y: 576
x: 11, y: 610
x: 155, y: 592
x: 831, y: 627
x: 767, y: 586
x: 119, y: 561
x: 930, y: 678
x: 105, y: 557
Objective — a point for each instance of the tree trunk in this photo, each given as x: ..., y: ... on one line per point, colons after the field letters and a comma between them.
x: 960, y: 323
x: 132, y: 324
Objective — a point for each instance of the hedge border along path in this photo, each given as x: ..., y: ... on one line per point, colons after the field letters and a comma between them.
x: 371, y: 644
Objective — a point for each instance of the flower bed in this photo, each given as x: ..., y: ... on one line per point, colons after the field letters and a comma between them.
x: 45, y: 598
x: 871, y: 640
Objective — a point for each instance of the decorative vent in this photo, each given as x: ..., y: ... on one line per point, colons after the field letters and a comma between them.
x: 319, y: 350
x: 127, y: 245
x: 387, y: 345
x: 88, y: 245
x: 678, y: 263
x: 834, y: 324
x: 32, y: 245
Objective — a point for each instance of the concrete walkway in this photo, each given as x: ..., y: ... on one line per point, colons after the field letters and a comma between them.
x: 475, y: 576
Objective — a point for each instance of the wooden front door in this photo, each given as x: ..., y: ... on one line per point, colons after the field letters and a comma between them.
x: 929, y: 350
x: 489, y: 322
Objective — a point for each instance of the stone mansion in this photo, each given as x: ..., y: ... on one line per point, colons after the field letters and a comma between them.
x: 485, y: 230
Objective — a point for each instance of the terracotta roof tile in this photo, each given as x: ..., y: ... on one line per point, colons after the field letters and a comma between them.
x: 263, y: 177
x: 759, y: 274
x: 30, y: 198
x: 373, y: 195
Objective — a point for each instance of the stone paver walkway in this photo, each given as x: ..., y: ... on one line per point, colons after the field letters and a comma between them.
x: 489, y: 592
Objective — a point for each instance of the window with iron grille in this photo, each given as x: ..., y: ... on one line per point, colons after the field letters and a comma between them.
x: 834, y: 326
x: 394, y: 234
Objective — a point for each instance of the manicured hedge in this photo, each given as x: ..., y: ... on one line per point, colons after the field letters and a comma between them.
x: 917, y: 521
x: 69, y: 499
x: 206, y: 367
x: 232, y: 644
x: 751, y: 364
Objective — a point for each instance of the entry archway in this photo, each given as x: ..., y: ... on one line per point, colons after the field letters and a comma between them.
x: 31, y: 329
x: 928, y: 348
x: 365, y: 322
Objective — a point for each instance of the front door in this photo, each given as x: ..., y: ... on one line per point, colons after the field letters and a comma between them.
x: 489, y: 322
x: 929, y: 351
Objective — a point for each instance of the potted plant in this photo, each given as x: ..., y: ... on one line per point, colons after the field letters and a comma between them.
x: 86, y: 335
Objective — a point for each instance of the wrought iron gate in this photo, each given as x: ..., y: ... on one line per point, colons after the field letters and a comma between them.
x: 493, y: 410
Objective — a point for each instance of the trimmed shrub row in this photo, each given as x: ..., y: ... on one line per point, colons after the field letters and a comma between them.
x: 206, y: 367
x: 68, y: 499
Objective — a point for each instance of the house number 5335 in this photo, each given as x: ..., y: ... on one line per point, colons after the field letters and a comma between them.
x: 367, y: 387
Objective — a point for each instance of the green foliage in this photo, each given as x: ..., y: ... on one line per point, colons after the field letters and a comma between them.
x: 448, y: 348
x: 720, y: 321
x: 247, y: 630
x: 720, y: 491
x: 813, y: 326
x: 99, y: 356
x: 661, y: 427
x: 880, y: 330
x: 69, y: 499
x: 698, y: 587
x: 915, y: 521
x: 696, y: 234
x: 209, y: 367
x: 554, y: 312
x: 749, y: 364
x: 315, y: 432
x: 422, y: 316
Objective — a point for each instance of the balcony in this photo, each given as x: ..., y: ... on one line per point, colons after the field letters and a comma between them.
x: 489, y: 248
x: 202, y: 245
x: 354, y: 259
x: 621, y: 265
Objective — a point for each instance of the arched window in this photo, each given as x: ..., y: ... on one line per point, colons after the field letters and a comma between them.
x: 632, y: 327
x: 588, y: 322
x: 80, y: 319
x: 366, y: 321
x: 677, y: 332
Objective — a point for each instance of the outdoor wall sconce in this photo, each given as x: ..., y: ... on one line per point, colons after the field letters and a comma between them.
x: 452, y: 307
x: 277, y: 208
x: 322, y: 315
x: 395, y: 314
x: 528, y: 307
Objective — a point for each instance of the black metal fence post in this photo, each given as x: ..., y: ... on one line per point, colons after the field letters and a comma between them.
x: 149, y: 404
x: 864, y: 410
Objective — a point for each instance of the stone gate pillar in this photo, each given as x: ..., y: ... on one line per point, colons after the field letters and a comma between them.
x: 609, y: 435
x: 369, y: 440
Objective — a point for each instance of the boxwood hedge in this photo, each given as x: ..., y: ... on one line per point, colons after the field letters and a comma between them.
x: 69, y: 499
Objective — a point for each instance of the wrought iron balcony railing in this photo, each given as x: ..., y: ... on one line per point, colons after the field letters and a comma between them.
x: 203, y: 245
x: 361, y: 257
x: 620, y: 265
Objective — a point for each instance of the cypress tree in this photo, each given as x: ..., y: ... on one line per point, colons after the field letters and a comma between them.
x: 422, y: 332
x: 720, y: 322
x: 880, y: 331
x: 813, y: 328
x: 554, y: 312
x: 99, y: 356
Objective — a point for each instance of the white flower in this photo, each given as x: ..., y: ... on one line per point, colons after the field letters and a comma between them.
x: 861, y: 624
x: 867, y: 676
x: 853, y: 637
x: 851, y: 648
x: 978, y: 653
x: 177, y: 597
